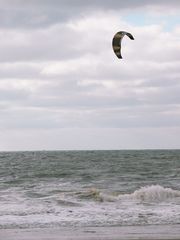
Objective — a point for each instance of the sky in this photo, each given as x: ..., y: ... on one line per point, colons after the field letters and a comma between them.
x: 63, y: 88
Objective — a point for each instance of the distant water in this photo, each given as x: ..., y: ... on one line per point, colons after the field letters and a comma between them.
x: 89, y: 188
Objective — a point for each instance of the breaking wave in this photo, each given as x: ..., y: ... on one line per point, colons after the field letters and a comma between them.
x: 153, y: 193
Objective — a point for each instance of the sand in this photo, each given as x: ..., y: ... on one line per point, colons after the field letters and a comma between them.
x: 153, y: 232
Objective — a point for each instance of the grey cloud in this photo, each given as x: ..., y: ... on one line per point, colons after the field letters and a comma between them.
x: 164, y: 81
x: 44, y: 45
x: 23, y: 118
x: 12, y: 95
x: 58, y: 71
x: 21, y: 70
x: 52, y: 4
x: 98, y: 138
x: 166, y: 96
x: 64, y: 41
x: 88, y: 87
x: 41, y: 13
x: 84, y: 118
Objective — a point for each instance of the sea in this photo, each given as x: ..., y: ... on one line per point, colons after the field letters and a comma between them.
x: 45, y: 189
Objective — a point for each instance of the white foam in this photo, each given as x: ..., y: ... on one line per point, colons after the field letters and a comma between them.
x: 152, y: 193
x: 95, y: 208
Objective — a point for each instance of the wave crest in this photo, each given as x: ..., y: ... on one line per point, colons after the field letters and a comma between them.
x: 152, y: 193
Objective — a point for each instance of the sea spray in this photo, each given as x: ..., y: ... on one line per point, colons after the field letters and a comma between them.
x: 152, y: 193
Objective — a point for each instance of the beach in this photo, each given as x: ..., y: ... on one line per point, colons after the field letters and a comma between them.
x: 153, y: 232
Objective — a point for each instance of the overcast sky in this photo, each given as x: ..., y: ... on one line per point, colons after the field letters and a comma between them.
x: 62, y: 87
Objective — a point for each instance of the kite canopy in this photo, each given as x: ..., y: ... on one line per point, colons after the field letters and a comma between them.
x: 116, y: 42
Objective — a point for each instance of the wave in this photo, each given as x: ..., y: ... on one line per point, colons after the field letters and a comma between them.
x: 96, y: 194
x: 91, y: 207
x: 153, y: 193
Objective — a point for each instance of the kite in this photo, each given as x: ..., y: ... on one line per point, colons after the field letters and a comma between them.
x: 116, y: 42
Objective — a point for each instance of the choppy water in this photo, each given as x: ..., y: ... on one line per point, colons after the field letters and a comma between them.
x: 89, y: 188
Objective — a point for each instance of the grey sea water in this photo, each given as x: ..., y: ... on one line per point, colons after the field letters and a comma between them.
x: 89, y: 188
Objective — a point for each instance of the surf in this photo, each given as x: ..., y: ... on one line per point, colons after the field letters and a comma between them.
x: 152, y: 193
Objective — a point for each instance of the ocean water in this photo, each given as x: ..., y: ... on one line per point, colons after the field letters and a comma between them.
x: 89, y: 188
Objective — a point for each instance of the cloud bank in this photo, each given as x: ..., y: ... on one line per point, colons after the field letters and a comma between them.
x: 58, y: 70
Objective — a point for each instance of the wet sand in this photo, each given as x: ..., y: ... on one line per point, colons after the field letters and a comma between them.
x: 153, y: 232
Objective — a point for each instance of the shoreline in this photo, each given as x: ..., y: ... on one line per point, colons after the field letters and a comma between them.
x: 148, y: 232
